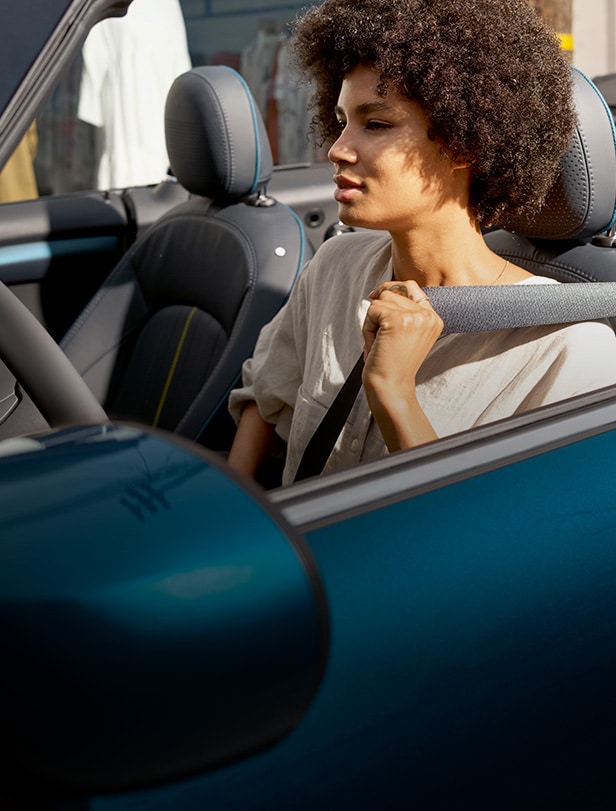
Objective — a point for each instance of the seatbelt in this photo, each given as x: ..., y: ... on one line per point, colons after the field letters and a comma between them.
x: 472, y: 309
x: 321, y: 443
x: 475, y: 309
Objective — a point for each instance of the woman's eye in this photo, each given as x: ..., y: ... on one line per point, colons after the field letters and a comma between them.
x: 377, y: 125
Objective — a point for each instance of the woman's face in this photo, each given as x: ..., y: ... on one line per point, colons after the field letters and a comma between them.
x: 389, y: 174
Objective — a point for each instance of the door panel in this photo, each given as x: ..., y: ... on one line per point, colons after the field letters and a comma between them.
x: 472, y: 654
x: 55, y: 251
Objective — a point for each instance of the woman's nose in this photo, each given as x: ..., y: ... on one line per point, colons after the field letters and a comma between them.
x: 341, y: 151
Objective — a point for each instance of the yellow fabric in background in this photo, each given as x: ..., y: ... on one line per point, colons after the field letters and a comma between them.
x: 17, y: 179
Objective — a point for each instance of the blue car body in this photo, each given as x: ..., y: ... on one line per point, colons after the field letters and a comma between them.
x: 471, y: 652
x: 432, y: 630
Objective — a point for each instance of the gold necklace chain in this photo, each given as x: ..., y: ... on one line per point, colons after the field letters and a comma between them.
x: 503, y: 269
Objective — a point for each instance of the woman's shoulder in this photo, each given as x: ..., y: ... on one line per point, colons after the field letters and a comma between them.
x: 578, y: 333
x: 359, y: 260
x: 593, y: 337
x: 356, y: 248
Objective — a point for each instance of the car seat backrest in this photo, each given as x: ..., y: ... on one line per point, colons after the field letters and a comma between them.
x: 570, y: 238
x: 163, y: 340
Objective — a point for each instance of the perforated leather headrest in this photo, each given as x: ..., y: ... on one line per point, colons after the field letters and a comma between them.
x: 216, y: 139
x: 582, y: 202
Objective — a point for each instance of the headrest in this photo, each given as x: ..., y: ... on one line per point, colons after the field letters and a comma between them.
x: 582, y: 201
x: 216, y: 140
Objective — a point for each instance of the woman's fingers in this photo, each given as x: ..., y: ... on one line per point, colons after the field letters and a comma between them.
x: 409, y: 290
x: 400, y: 329
x: 370, y: 329
x: 404, y: 313
x: 399, y: 298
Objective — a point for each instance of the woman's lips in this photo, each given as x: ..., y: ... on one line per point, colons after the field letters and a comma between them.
x: 346, y: 190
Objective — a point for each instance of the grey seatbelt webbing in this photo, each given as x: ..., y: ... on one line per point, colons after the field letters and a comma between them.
x: 473, y: 309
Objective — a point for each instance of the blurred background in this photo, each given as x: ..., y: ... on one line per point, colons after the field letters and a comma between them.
x: 103, y: 127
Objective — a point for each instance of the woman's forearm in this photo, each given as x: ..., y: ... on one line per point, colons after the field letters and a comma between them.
x: 402, y: 422
x: 252, y: 442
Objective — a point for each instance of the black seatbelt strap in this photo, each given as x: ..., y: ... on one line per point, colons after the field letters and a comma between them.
x: 324, y: 438
x: 473, y: 309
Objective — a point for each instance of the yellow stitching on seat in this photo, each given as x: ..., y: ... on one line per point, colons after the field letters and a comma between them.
x: 174, y: 363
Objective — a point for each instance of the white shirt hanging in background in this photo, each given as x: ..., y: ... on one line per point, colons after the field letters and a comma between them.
x: 129, y: 66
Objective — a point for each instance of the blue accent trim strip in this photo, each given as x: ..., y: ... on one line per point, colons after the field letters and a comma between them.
x: 255, y: 127
x: 610, y: 119
x: 302, y: 237
x: 42, y: 251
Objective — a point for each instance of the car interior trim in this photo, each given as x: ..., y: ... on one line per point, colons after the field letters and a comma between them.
x: 35, y: 252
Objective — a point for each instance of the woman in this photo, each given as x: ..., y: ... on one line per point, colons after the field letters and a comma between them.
x: 443, y: 117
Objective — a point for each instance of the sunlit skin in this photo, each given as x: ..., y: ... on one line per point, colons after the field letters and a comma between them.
x: 388, y: 172
x: 392, y: 174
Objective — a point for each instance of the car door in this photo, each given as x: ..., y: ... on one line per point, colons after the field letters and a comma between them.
x: 56, y: 250
x: 471, y: 601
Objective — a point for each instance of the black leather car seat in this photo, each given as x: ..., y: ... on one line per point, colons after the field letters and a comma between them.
x: 163, y: 340
x: 571, y: 239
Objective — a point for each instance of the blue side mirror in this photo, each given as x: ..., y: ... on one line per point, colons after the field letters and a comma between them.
x: 158, y: 620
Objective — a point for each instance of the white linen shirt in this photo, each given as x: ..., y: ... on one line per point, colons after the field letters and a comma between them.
x: 305, y: 353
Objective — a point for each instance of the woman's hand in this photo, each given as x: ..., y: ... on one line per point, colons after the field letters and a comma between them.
x: 399, y: 331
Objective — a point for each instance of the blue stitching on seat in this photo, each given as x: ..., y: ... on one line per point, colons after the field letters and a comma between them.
x: 610, y: 119
x: 255, y: 128
x: 302, y: 248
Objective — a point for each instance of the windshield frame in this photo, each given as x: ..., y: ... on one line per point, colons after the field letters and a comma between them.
x: 37, y: 41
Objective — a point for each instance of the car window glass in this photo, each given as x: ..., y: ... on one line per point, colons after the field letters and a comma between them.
x: 103, y: 125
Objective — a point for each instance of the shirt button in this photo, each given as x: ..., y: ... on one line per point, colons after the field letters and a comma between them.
x: 355, y: 445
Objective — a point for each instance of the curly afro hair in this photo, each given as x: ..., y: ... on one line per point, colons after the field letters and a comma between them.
x: 490, y: 75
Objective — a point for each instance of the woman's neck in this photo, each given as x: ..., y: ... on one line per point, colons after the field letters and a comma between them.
x: 452, y: 256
